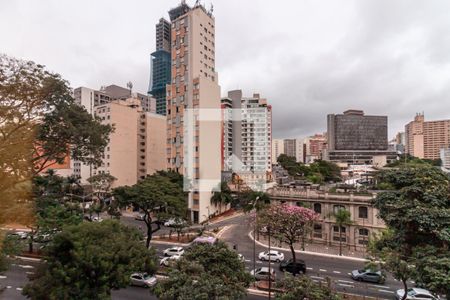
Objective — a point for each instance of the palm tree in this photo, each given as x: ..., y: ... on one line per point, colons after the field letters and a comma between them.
x: 222, y: 197
x: 342, y: 217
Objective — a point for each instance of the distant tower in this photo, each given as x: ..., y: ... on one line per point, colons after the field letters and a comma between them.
x: 160, y: 66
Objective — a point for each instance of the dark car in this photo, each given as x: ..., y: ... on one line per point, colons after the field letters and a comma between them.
x: 298, y: 267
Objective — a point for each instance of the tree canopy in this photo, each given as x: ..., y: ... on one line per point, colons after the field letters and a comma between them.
x: 303, y: 288
x: 40, y: 125
x: 206, y: 272
x: 417, y: 214
x: 287, y: 223
x: 159, y: 197
x: 87, y: 261
x: 317, y: 172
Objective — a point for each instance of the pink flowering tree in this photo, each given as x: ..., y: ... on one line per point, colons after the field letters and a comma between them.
x: 288, y: 224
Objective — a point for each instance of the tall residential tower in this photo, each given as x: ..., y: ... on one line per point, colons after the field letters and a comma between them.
x: 193, y: 107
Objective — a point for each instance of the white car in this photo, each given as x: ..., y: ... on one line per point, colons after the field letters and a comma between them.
x: 20, y: 234
x: 416, y: 294
x: 168, y: 259
x: 263, y: 274
x: 241, y: 257
x: 272, y: 256
x: 97, y: 219
x: 174, y: 222
x: 174, y: 251
x: 142, y: 279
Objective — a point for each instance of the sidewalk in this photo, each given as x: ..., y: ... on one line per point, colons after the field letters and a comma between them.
x: 314, y: 249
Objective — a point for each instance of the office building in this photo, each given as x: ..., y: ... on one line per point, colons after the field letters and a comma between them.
x: 250, y: 133
x: 160, y: 73
x: 355, y: 138
x: 425, y: 139
x: 193, y: 107
x: 277, y: 149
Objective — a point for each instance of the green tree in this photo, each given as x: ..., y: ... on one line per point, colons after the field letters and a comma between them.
x: 222, y: 197
x: 40, y: 125
x: 288, y: 224
x: 417, y: 214
x: 342, y: 218
x: 158, y: 197
x: 206, y: 271
x: 101, y: 185
x: 88, y: 260
x: 303, y: 288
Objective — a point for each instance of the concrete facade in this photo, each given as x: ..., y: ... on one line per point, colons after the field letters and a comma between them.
x: 425, y: 139
x: 193, y: 92
x: 364, y: 217
x: 277, y: 149
x: 353, y: 137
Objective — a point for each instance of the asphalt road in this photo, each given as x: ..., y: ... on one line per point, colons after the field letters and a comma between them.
x: 318, y: 267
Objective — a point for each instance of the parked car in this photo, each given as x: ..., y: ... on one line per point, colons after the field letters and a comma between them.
x: 241, y: 257
x: 272, y: 256
x: 168, y: 259
x: 20, y: 234
x: 368, y: 276
x: 175, y: 222
x: 142, y: 279
x: 97, y: 219
x: 140, y: 217
x: 173, y: 251
x: 416, y: 294
x: 295, y: 268
x: 263, y: 274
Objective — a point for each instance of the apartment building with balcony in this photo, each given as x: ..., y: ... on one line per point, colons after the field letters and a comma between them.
x: 247, y: 138
x: 193, y: 107
x: 364, y: 218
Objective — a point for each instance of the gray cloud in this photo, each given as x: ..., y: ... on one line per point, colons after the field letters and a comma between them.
x: 309, y: 58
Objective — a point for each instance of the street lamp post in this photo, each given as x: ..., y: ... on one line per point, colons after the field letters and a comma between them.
x: 254, y: 236
x: 270, y: 261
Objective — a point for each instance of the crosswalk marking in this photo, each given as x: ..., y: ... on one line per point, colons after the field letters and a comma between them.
x: 386, y: 291
x: 346, y: 285
x: 336, y: 272
x: 322, y: 270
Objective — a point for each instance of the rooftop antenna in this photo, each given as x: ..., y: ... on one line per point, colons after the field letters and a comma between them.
x: 211, y: 9
x: 130, y: 86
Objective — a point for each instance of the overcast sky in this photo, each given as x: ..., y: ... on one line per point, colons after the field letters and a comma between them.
x: 308, y: 58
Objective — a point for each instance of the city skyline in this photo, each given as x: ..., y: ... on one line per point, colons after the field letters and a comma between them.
x: 376, y: 56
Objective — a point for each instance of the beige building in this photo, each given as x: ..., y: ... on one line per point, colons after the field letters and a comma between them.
x: 193, y: 107
x: 364, y: 218
x: 425, y: 139
x: 136, y: 148
x: 277, y: 149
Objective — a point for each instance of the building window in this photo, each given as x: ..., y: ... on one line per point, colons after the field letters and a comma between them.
x: 336, y: 229
x: 363, y: 212
x: 364, y: 231
x: 317, y: 231
x: 317, y: 208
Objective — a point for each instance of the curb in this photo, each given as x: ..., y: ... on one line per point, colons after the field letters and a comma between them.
x: 169, y: 243
x: 310, y: 252
x: 227, y: 218
x: 222, y: 231
x: 29, y: 258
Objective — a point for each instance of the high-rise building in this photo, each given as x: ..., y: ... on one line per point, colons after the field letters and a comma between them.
x: 193, y: 134
x: 353, y: 137
x: 250, y: 133
x: 445, y: 158
x: 425, y: 139
x: 314, y: 147
x: 277, y: 149
x: 137, y: 145
x: 160, y: 74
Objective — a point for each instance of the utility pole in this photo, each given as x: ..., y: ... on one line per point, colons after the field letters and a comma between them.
x: 270, y: 273
x: 254, y: 235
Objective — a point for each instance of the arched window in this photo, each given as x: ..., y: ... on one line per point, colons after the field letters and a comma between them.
x: 363, y: 212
